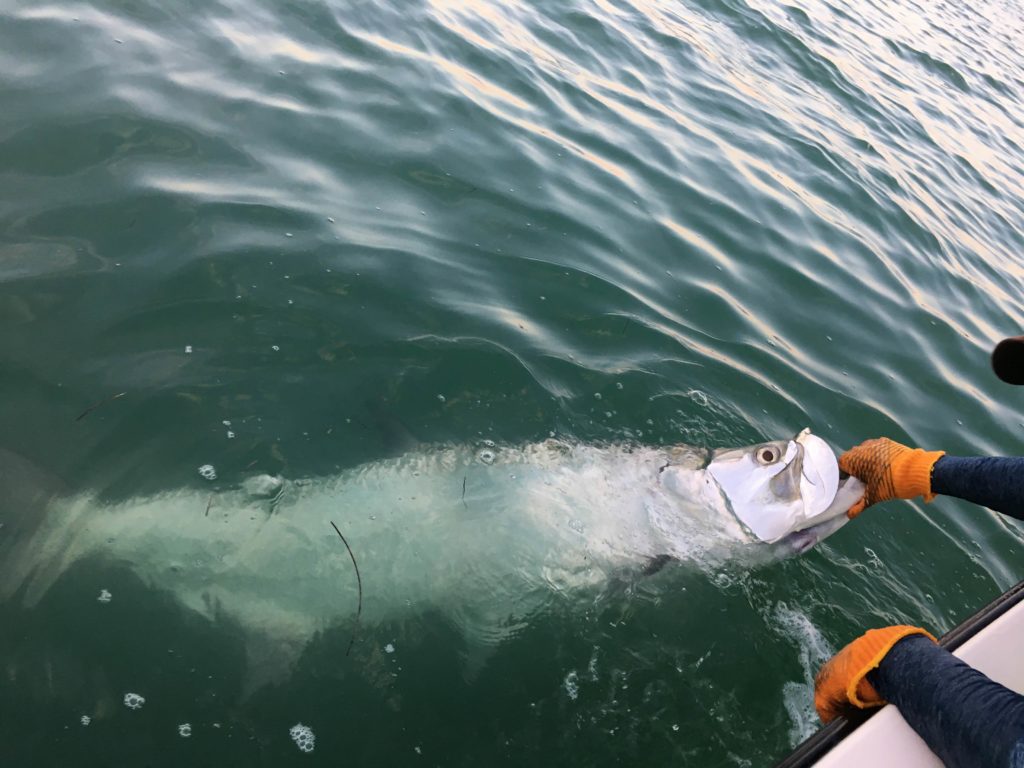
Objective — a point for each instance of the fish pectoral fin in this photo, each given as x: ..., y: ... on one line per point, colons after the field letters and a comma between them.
x: 394, y: 435
x: 655, y: 564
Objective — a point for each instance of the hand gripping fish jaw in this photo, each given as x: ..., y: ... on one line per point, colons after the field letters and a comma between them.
x: 785, y: 487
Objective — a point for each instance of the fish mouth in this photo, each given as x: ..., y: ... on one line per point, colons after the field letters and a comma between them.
x: 804, y: 539
x: 819, y: 476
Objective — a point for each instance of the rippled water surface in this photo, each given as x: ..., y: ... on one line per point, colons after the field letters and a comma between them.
x: 296, y: 234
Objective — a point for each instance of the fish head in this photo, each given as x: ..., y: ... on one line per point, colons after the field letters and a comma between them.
x: 783, y: 487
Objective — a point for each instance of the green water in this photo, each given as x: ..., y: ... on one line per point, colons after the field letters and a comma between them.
x: 708, y: 222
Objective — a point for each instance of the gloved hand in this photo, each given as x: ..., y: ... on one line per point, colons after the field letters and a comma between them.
x: 841, y: 685
x: 890, y: 471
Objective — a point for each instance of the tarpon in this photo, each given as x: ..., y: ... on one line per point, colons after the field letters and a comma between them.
x: 490, y: 535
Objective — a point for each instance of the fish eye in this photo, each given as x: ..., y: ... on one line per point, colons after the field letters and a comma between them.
x: 766, y: 454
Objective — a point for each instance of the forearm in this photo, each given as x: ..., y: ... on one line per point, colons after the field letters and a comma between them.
x: 995, y: 482
x: 966, y: 719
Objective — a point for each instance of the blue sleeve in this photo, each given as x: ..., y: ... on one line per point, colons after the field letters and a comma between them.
x: 993, y: 482
x: 965, y: 718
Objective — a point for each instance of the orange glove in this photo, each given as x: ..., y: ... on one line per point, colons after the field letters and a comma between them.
x: 890, y: 471
x: 841, y: 684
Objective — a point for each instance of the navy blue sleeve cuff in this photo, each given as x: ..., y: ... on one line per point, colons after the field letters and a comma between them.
x: 966, y: 719
x: 993, y: 482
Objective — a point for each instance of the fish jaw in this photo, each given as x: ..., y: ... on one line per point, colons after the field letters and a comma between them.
x: 819, y: 480
x: 824, y: 525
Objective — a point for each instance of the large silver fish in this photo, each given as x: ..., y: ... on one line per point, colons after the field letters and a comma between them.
x: 489, y: 535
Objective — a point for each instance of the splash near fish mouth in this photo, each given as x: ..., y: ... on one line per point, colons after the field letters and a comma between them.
x: 492, y: 536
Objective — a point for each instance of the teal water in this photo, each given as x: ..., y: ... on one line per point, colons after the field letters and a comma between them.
x: 701, y: 222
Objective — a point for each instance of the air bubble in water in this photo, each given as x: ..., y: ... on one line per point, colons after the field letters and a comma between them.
x: 303, y: 737
x: 441, y: 398
x: 208, y: 472
x: 276, y: 348
x: 85, y: 720
x: 104, y: 597
x: 185, y: 730
x: 133, y: 701
x: 486, y: 456
x: 572, y: 687
x: 389, y: 648
x: 188, y: 349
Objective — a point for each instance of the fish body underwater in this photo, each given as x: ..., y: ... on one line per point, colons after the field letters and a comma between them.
x: 488, y: 535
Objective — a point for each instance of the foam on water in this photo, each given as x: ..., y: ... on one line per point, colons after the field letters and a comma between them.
x: 572, y: 685
x: 303, y: 737
x: 812, y: 651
